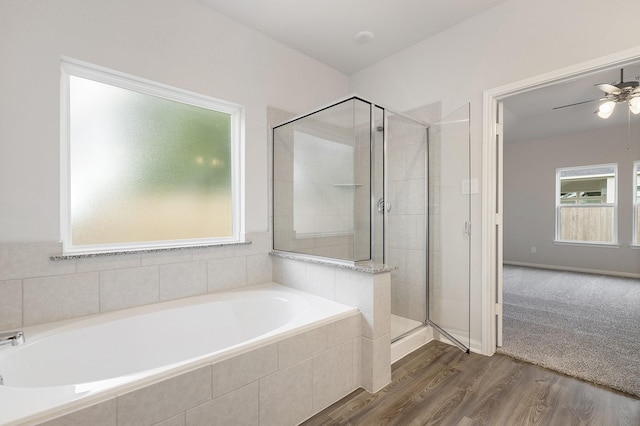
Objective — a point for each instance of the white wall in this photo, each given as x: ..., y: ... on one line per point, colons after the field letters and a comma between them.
x: 517, y: 39
x: 184, y: 44
x: 181, y: 43
x: 529, y: 199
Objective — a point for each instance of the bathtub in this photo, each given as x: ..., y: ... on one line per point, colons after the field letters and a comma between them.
x: 67, y: 365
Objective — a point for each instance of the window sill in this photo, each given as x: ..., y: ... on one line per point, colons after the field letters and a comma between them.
x: 74, y: 256
x: 586, y: 243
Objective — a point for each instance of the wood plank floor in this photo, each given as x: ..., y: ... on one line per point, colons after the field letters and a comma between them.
x: 440, y: 385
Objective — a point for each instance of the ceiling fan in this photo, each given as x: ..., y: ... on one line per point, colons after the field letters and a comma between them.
x: 625, y: 91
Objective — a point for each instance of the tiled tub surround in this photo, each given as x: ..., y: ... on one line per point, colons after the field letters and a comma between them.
x: 281, y: 377
x: 369, y: 291
x: 36, y: 290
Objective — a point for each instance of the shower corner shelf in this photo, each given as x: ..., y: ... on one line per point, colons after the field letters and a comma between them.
x: 348, y: 185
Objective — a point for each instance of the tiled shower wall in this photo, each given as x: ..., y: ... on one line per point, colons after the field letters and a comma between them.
x: 353, y: 245
x: 413, y: 245
x: 407, y: 230
x: 35, y: 290
x: 286, y: 239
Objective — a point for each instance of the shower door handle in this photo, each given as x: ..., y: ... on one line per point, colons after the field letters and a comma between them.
x: 382, y: 205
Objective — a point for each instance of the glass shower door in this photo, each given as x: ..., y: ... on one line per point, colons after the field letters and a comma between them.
x: 450, y: 191
x: 404, y: 207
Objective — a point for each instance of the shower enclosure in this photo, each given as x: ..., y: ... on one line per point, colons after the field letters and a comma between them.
x: 356, y: 182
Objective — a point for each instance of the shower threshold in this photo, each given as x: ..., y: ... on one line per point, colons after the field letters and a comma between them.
x: 401, y: 325
x: 407, y: 336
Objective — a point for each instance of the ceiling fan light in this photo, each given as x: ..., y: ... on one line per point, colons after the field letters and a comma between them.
x: 634, y: 105
x: 606, y: 109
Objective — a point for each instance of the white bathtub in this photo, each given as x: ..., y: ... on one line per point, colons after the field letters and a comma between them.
x: 71, y: 364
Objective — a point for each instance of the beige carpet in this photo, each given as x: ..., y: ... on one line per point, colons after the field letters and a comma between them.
x: 583, y: 325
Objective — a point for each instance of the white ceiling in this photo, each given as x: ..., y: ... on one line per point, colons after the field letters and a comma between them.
x: 325, y: 29
x: 530, y: 115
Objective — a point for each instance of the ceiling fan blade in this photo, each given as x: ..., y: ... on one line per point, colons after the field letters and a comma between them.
x: 609, y: 89
x: 577, y: 103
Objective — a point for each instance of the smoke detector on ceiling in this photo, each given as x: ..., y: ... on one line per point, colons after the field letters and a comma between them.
x: 363, y: 37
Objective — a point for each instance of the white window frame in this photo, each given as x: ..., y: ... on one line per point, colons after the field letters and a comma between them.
x: 71, y: 67
x: 559, y: 206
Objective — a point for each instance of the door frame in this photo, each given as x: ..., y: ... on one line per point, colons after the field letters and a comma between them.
x: 492, y: 180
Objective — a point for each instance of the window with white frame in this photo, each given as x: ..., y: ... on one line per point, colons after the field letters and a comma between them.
x: 636, y: 203
x: 145, y: 165
x: 586, y: 204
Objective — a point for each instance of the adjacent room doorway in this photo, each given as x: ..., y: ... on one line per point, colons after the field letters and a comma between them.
x: 493, y: 167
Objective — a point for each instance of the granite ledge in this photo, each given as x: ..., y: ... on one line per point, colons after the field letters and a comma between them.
x: 367, y: 267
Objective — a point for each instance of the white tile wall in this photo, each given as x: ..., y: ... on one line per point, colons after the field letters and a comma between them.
x: 27, y: 260
x: 259, y: 269
x: 416, y: 161
x: 320, y: 281
x: 10, y: 304
x: 343, y: 331
x: 241, y: 370
x: 227, y: 273
x: 103, y: 414
x: 160, y: 258
x: 292, y: 274
x: 301, y: 347
x: 355, y: 289
x: 412, y: 301
x: 332, y: 375
x: 166, y: 399
x: 370, y: 293
x: 407, y: 231
x: 35, y: 289
x: 179, y: 420
x: 182, y: 280
x: 239, y: 408
x: 376, y: 356
x: 105, y: 263
x: 125, y: 288
x: 60, y: 297
x: 357, y: 361
x: 55, y: 290
x: 286, y: 397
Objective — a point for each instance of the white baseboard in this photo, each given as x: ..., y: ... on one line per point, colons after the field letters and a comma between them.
x: 571, y: 269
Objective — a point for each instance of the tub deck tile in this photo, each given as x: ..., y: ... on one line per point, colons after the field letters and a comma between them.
x: 178, y: 420
x: 166, y: 399
x: 243, y: 369
x: 103, y: 414
x: 343, y: 331
x: 237, y: 408
x: 298, y: 348
x: 332, y: 375
x: 286, y: 397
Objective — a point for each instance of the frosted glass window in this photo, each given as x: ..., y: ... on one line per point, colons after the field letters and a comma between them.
x: 147, y: 170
